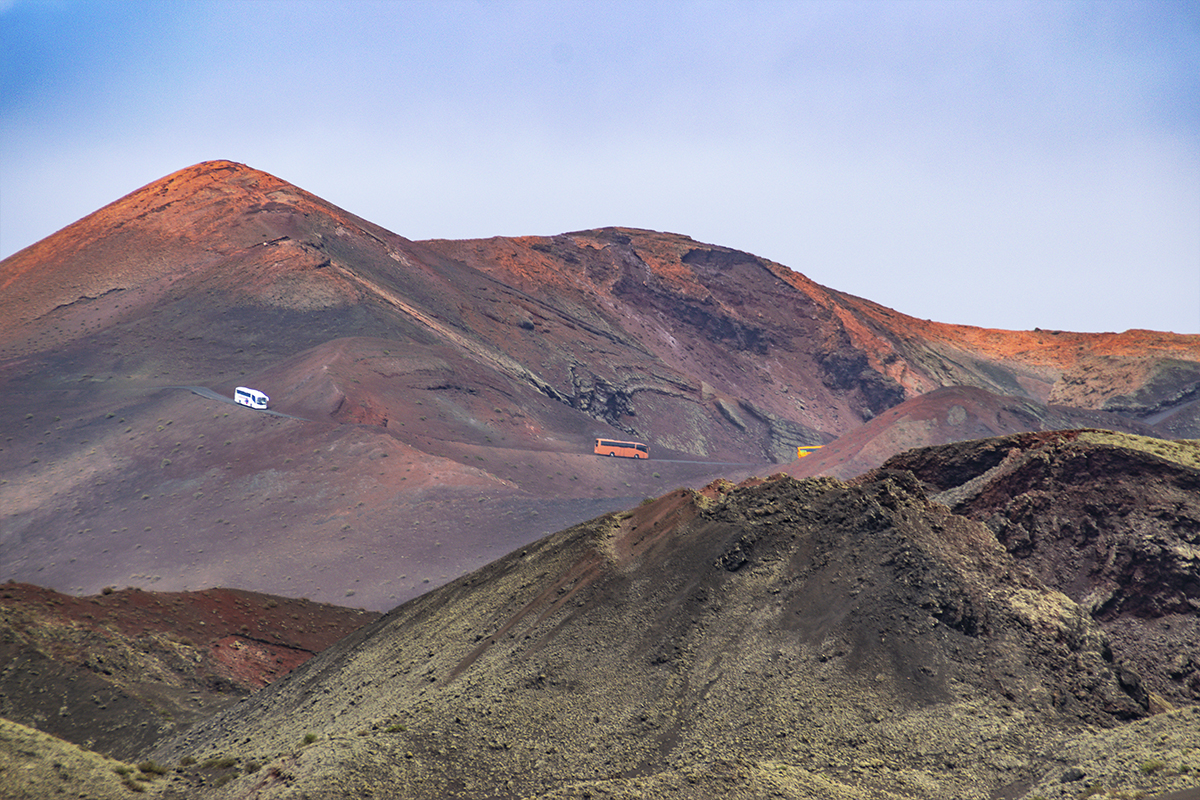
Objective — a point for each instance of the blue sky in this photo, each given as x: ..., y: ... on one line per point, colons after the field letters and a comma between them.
x: 1001, y: 164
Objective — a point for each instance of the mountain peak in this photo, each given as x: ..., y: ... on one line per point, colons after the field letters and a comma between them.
x: 212, y: 215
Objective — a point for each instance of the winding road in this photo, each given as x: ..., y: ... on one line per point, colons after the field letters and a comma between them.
x: 204, y: 391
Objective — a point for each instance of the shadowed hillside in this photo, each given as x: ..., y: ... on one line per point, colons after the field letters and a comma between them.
x: 783, y: 638
x: 1111, y: 521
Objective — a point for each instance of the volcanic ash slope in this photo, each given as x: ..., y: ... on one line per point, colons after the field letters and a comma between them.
x: 809, y: 638
x: 439, y: 399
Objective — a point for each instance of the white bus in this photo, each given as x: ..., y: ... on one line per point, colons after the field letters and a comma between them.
x: 250, y: 397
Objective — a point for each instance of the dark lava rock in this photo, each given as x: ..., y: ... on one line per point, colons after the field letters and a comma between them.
x: 1111, y: 520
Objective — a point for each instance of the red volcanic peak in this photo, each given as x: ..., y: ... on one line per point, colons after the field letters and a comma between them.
x: 437, y: 401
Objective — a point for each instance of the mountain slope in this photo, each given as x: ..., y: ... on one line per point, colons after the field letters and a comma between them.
x: 943, y: 416
x: 831, y: 340
x: 119, y: 671
x: 437, y: 400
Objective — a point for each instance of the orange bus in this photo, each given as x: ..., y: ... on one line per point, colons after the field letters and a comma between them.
x: 807, y: 450
x: 609, y: 447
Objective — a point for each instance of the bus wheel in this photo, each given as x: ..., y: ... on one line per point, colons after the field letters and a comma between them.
x: 610, y: 455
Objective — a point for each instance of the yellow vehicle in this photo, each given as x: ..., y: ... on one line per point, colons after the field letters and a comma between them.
x: 807, y: 449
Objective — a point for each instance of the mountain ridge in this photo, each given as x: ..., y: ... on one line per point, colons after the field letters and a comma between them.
x: 427, y: 376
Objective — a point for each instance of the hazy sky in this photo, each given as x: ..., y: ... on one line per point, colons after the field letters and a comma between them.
x: 1002, y: 164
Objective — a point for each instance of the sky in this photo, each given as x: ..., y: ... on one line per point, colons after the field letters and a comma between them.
x: 996, y: 163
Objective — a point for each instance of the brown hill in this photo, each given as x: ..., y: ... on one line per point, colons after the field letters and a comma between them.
x: 785, y: 638
x: 119, y: 671
x: 437, y: 399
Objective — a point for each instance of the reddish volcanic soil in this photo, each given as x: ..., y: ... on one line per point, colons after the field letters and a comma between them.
x: 286, y: 630
x: 434, y: 403
x: 177, y: 491
x: 433, y: 411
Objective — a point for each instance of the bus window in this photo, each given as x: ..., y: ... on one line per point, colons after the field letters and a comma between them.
x: 611, y: 447
x: 251, y: 398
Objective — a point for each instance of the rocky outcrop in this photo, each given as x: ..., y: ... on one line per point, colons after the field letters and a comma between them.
x: 1112, y: 521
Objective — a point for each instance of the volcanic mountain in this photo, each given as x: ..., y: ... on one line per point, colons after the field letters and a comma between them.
x: 434, y: 404
x: 998, y: 617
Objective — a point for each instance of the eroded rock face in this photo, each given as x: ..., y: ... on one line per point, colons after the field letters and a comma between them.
x: 1112, y: 521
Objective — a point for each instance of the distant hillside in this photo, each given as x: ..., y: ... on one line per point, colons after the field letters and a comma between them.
x: 434, y: 403
x: 952, y: 414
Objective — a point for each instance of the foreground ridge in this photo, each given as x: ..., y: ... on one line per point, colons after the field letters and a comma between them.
x: 790, y: 634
